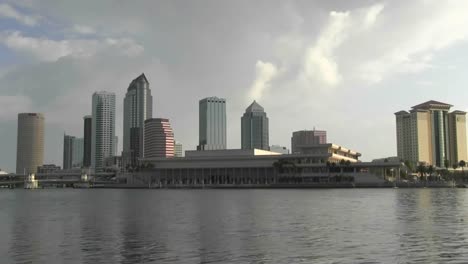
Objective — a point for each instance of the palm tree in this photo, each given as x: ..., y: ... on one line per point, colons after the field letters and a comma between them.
x: 421, y: 169
x: 430, y: 170
x: 462, y: 164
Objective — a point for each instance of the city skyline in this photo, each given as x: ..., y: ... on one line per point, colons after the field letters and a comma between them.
x: 65, y: 56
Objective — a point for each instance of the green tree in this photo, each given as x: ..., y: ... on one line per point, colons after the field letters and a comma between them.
x: 421, y: 170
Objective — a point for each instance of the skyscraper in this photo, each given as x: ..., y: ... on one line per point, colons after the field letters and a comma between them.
x: 30, y: 142
x: 429, y: 133
x: 78, y: 153
x: 138, y: 106
x: 87, y: 140
x: 68, y: 144
x: 304, y: 138
x: 103, y: 128
x: 254, y: 128
x: 212, y: 124
x: 159, y: 138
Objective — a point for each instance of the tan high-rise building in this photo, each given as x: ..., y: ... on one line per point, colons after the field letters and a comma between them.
x: 30, y: 144
x: 429, y: 133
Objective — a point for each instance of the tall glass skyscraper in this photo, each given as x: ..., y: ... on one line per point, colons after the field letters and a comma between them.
x: 103, y: 128
x: 68, y: 144
x: 254, y: 128
x: 212, y: 124
x: 87, y: 140
x: 138, y: 107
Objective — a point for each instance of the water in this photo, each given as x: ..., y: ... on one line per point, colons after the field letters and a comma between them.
x: 234, y: 226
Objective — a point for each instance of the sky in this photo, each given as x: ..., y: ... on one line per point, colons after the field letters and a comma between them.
x: 341, y: 66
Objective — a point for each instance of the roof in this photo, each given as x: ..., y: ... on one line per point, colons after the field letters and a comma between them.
x: 432, y: 104
x: 458, y: 112
x: 254, y: 107
x: 141, y: 77
x: 402, y: 112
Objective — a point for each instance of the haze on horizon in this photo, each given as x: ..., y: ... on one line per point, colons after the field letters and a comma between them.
x: 340, y: 66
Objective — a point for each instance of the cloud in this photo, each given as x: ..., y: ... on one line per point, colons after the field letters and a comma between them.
x: 265, y: 72
x: 9, y: 12
x: 85, y: 30
x: 320, y: 63
x: 44, y: 49
x: 12, y: 105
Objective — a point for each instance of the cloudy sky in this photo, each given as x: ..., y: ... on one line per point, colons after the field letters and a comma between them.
x: 341, y: 66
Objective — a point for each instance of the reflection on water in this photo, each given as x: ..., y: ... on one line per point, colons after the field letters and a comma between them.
x: 234, y: 226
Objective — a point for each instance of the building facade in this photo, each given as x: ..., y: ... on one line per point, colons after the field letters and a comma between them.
x: 254, y: 128
x: 48, y: 168
x: 78, y: 153
x: 159, y: 138
x: 307, y: 138
x: 103, y: 128
x: 30, y: 142
x: 87, y: 140
x: 138, y: 106
x: 178, y: 150
x: 279, y: 149
x: 212, y: 124
x: 430, y: 134
x: 68, y: 146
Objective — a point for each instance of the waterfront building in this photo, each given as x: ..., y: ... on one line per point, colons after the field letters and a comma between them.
x: 261, y: 168
x: 159, y: 138
x: 68, y: 144
x: 103, y: 128
x: 335, y: 152
x: 212, y: 124
x: 78, y: 152
x: 87, y: 140
x: 178, y: 150
x: 279, y: 149
x: 254, y: 128
x: 307, y: 138
x: 30, y: 142
x: 114, y: 163
x: 138, y: 107
x: 430, y: 134
x: 48, y: 168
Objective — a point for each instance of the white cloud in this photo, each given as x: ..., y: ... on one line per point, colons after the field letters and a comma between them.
x: 265, y: 72
x: 85, y: 30
x: 12, y: 105
x: 9, y: 12
x: 51, y: 50
x: 320, y: 63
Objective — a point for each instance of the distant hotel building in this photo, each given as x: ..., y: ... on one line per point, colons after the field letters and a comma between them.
x: 254, y: 128
x: 30, y: 144
x: 103, y: 128
x: 159, y: 138
x: 307, y: 138
x: 138, y: 106
x: 87, y: 141
x: 178, y: 150
x: 212, y: 124
x: 429, y: 133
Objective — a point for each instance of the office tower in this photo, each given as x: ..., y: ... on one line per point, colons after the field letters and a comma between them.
x: 254, y: 128
x: 116, y: 145
x: 307, y: 138
x: 87, y: 140
x: 159, y: 138
x: 138, y: 106
x: 30, y: 142
x: 212, y: 124
x: 78, y: 152
x: 68, y: 144
x: 428, y: 133
x: 178, y: 150
x: 103, y: 128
